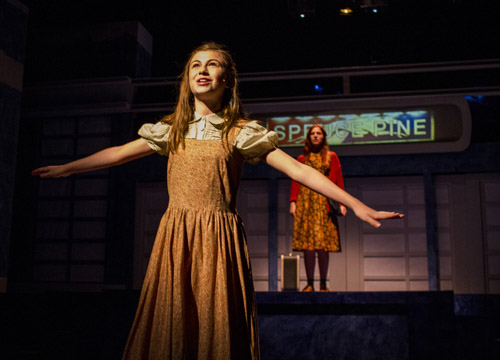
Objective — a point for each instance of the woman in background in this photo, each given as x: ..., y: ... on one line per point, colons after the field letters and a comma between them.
x: 314, y: 230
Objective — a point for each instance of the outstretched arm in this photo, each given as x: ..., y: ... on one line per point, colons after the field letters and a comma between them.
x: 316, y: 181
x: 103, y: 159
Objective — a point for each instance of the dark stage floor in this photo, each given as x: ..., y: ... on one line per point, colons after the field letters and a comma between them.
x: 423, y: 325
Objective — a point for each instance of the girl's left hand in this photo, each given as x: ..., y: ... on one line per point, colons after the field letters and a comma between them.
x: 373, y: 217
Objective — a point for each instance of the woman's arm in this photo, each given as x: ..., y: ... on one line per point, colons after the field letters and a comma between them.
x: 103, y: 159
x: 336, y: 177
x: 294, y: 191
x: 293, y: 208
x: 314, y: 180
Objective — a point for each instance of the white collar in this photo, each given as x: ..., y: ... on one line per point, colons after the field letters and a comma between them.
x: 215, y: 119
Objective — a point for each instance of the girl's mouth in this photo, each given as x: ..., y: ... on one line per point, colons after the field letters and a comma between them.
x: 203, y: 81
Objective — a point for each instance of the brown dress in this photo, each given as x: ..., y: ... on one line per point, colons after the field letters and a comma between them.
x: 198, y: 300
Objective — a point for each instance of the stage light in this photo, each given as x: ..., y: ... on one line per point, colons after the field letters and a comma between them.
x: 318, y: 88
x: 302, y: 8
x: 373, y: 6
x: 346, y: 11
x: 476, y: 99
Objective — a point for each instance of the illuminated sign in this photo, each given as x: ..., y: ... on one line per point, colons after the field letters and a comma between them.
x: 375, y: 126
x: 358, y: 128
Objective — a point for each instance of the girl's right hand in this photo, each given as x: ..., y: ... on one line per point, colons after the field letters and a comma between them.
x: 53, y: 171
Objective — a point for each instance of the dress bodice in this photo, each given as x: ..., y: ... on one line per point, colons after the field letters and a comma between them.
x: 204, y: 174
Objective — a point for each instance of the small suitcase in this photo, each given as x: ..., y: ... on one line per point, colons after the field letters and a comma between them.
x: 290, y: 272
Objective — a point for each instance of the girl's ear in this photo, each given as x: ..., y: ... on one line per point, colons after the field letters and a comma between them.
x: 228, y: 79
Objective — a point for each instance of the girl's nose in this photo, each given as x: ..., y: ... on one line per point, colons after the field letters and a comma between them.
x: 203, y: 69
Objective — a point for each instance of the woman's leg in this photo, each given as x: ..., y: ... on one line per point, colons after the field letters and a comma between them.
x: 323, y: 260
x: 309, y: 261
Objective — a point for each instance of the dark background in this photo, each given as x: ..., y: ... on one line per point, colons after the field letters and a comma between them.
x: 269, y: 35
x: 62, y: 304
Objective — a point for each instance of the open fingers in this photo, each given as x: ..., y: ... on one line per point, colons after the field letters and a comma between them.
x: 387, y: 215
x: 40, y: 171
x: 382, y: 215
x: 48, y: 172
x: 373, y: 222
x: 373, y: 217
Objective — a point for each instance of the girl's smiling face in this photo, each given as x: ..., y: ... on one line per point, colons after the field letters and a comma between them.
x: 207, y: 76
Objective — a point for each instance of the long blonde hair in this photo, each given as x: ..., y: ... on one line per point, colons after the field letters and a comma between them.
x: 232, y: 110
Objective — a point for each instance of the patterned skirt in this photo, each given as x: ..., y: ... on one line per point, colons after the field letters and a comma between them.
x: 313, y: 228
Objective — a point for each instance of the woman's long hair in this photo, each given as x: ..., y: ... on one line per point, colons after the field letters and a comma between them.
x: 322, y: 149
x: 232, y: 110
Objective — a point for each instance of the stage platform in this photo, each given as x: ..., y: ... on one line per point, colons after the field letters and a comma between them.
x: 357, y: 326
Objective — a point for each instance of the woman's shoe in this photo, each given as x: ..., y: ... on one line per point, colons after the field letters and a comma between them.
x: 324, y: 290
x: 308, y: 288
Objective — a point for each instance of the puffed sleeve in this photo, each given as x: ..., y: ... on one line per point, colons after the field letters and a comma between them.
x: 254, y: 140
x: 156, y: 136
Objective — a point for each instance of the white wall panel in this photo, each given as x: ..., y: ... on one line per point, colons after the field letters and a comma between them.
x: 391, y: 258
x: 380, y: 243
x: 417, y: 242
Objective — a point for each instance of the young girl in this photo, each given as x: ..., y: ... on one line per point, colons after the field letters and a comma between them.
x: 197, y: 300
x: 314, y: 231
